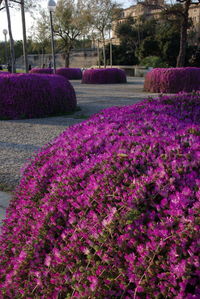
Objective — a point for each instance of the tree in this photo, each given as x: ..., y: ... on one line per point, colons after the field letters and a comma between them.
x: 168, y: 36
x: 41, y: 33
x: 149, y: 47
x: 25, y: 5
x: 12, y: 51
x: 71, y: 21
x: 128, y: 33
x: 121, y: 55
x: 181, y: 12
x: 102, y: 14
x: 138, y: 37
x: 183, y: 31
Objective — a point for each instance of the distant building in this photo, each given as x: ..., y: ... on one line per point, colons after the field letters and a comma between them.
x: 152, y: 9
x: 194, y: 14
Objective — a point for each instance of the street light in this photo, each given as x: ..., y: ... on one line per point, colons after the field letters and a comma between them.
x: 52, y: 8
x: 5, y: 31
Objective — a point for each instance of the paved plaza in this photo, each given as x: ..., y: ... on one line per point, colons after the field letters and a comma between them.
x: 21, y: 139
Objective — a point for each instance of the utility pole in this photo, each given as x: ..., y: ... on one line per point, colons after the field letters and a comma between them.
x: 24, y: 36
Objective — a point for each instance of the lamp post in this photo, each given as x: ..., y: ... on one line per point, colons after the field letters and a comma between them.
x: 5, y: 32
x: 52, y: 7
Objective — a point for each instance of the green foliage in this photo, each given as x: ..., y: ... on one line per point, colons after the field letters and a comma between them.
x: 41, y: 34
x: 18, y: 48
x: 148, y: 47
x: 193, y: 59
x: 153, y: 61
x: 168, y: 36
x: 121, y: 55
x: 71, y: 22
x: 150, y: 38
x: 128, y: 34
x: 102, y: 12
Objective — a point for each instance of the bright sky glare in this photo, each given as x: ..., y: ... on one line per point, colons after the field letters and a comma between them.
x: 16, y: 20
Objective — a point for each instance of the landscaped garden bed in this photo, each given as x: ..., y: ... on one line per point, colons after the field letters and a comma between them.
x: 110, y: 209
x: 70, y: 73
x: 31, y: 95
x: 41, y: 71
x: 104, y: 76
x: 172, y: 80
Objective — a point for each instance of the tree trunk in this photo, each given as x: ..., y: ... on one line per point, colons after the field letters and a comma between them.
x: 183, y: 36
x: 111, y: 60
x: 42, y: 56
x: 67, y: 54
x: 12, y: 51
x: 98, y: 53
x: 104, y: 51
x: 24, y: 36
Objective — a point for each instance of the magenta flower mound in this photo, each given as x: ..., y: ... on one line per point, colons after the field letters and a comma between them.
x: 41, y: 71
x: 70, y: 73
x: 172, y: 80
x: 4, y: 73
x: 110, y: 209
x: 104, y: 76
x: 31, y: 95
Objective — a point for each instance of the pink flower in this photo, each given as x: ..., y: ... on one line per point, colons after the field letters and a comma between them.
x: 47, y: 261
x: 94, y: 282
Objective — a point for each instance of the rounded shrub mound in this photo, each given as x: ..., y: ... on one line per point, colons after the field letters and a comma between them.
x: 172, y: 80
x: 4, y: 73
x: 70, y: 73
x: 110, y: 209
x: 41, y: 71
x: 31, y: 95
x: 104, y: 76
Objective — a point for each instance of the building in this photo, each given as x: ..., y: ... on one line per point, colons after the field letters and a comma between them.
x: 194, y: 14
x: 153, y: 9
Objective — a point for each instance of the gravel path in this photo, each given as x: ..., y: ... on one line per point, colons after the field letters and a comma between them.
x: 20, y: 139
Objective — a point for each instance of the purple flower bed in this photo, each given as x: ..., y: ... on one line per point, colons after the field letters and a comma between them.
x: 31, y: 95
x: 41, y: 71
x: 172, y: 80
x: 70, y: 73
x: 104, y: 76
x: 110, y: 209
x: 4, y: 73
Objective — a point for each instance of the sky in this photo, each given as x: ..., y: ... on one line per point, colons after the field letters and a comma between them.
x: 16, y: 20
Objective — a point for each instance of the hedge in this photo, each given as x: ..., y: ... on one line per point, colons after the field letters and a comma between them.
x: 104, y: 76
x: 31, y: 95
x: 172, y: 80
x: 70, y: 73
x: 41, y: 71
